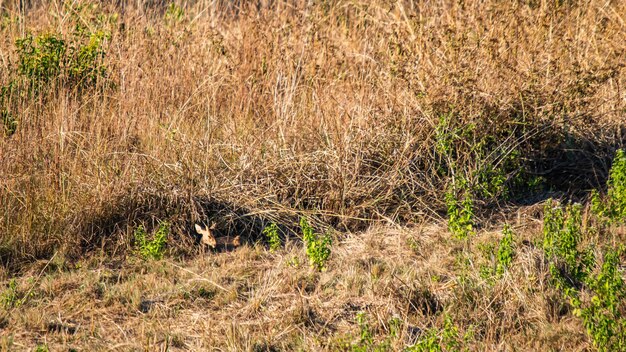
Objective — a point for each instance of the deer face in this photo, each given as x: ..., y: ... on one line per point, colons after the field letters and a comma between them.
x: 207, y: 238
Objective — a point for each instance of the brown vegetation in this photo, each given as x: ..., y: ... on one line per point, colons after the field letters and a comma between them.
x: 244, y: 113
x: 251, y: 300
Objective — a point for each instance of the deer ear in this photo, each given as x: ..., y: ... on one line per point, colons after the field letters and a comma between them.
x: 212, y: 226
x: 199, y: 228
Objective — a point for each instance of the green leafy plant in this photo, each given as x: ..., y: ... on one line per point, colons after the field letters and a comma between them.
x: 41, y: 348
x: 54, y: 59
x: 602, y: 315
x: 395, y: 327
x: 152, y: 249
x: 317, y: 246
x: 488, y: 271
x: 460, y: 209
x: 491, y: 181
x: 435, y: 340
x: 40, y: 58
x: 572, y: 268
x: 366, y: 337
x: 613, y: 206
x: 501, y: 256
x: 562, y: 231
x: 445, y: 135
x: 271, y: 234
x: 10, y: 297
x: 506, y: 251
x: 84, y: 63
x: 366, y: 340
x: 484, y: 164
x: 174, y: 13
x: 76, y: 60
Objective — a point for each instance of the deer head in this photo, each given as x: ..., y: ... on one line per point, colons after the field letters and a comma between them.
x: 207, y: 238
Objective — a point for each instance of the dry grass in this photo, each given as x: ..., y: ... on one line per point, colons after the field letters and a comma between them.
x: 245, y: 113
x: 252, y: 300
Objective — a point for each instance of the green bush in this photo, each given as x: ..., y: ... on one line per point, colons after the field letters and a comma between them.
x: 174, y: 14
x: 317, y: 246
x: 602, y: 315
x: 435, y: 340
x: 84, y: 63
x: 53, y: 60
x: 563, y: 235
x: 366, y: 340
x: 613, y: 206
x: 486, y: 156
x: 40, y: 58
x: 76, y: 60
x: 574, y: 271
x: 500, y: 257
x: 152, y: 249
x: 483, y: 163
x: 506, y: 251
x: 11, y: 296
x: 271, y: 234
x: 460, y: 210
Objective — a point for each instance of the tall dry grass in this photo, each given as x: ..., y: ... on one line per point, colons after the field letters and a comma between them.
x: 247, y: 112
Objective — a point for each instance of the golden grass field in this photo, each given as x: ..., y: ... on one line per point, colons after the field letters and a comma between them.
x: 383, y: 123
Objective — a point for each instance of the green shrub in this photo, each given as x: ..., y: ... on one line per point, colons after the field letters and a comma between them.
x: 41, y: 348
x: 501, y: 258
x: 460, y: 210
x: 395, y: 327
x: 562, y: 231
x: 602, y: 315
x: 613, y: 206
x: 84, y: 63
x: 40, y: 58
x: 49, y: 57
x: 483, y: 163
x: 152, y: 249
x: 486, y: 156
x: 572, y: 268
x: 174, y: 14
x: 428, y: 342
x: 10, y: 297
x: 445, y: 136
x: 317, y: 246
x: 491, y: 182
x: 366, y: 340
x: 435, y: 340
x: 506, y: 251
x: 273, y: 239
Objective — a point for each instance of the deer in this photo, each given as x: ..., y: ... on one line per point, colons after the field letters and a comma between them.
x: 207, y: 238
